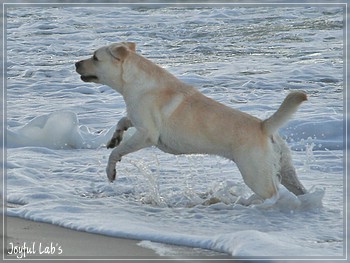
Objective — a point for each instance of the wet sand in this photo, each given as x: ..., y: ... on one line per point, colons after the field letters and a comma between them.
x: 26, y: 239
x: 41, y: 240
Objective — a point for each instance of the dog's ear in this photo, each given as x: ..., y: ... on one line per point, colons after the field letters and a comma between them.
x: 130, y: 45
x: 118, y: 52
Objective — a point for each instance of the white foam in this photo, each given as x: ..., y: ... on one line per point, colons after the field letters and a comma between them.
x: 58, y: 130
x: 55, y: 130
x: 286, y: 201
x: 252, y: 243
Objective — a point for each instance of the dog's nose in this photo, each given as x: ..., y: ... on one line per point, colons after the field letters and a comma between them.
x: 77, y: 64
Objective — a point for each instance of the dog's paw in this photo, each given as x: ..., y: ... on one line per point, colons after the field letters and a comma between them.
x: 112, y: 143
x: 115, y: 141
x: 111, y: 173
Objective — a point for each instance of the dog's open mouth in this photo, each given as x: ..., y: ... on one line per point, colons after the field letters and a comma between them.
x: 89, y: 78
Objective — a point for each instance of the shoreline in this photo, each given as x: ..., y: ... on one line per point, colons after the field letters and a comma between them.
x: 29, y: 240
x: 43, y: 241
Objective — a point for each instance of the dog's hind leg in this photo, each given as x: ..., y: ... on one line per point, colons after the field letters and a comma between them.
x: 123, y: 125
x: 259, y: 173
x: 288, y: 174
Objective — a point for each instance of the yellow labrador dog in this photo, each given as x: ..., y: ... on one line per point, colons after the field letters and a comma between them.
x: 178, y: 119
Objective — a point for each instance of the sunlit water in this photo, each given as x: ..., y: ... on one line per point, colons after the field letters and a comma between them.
x: 247, y: 58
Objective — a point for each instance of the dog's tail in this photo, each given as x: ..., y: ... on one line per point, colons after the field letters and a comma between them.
x: 285, y: 111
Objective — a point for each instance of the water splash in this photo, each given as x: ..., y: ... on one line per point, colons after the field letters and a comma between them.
x: 157, y: 190
x: 152, y: 195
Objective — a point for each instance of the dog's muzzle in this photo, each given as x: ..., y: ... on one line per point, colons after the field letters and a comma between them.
x: 86, y: 78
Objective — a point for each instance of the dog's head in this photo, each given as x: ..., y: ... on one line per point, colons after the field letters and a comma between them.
x: 105, y: 66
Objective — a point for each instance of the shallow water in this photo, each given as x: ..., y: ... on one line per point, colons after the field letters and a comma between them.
x: 245, y: 57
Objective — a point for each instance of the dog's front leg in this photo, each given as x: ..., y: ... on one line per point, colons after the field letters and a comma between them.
x: 123, y: 124
x: 139, y: 140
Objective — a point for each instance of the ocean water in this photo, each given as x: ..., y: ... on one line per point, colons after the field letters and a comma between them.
x: 246, y: 57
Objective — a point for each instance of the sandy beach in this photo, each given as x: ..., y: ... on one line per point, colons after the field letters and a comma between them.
x: 26, y: 239
x: 43, y: 240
